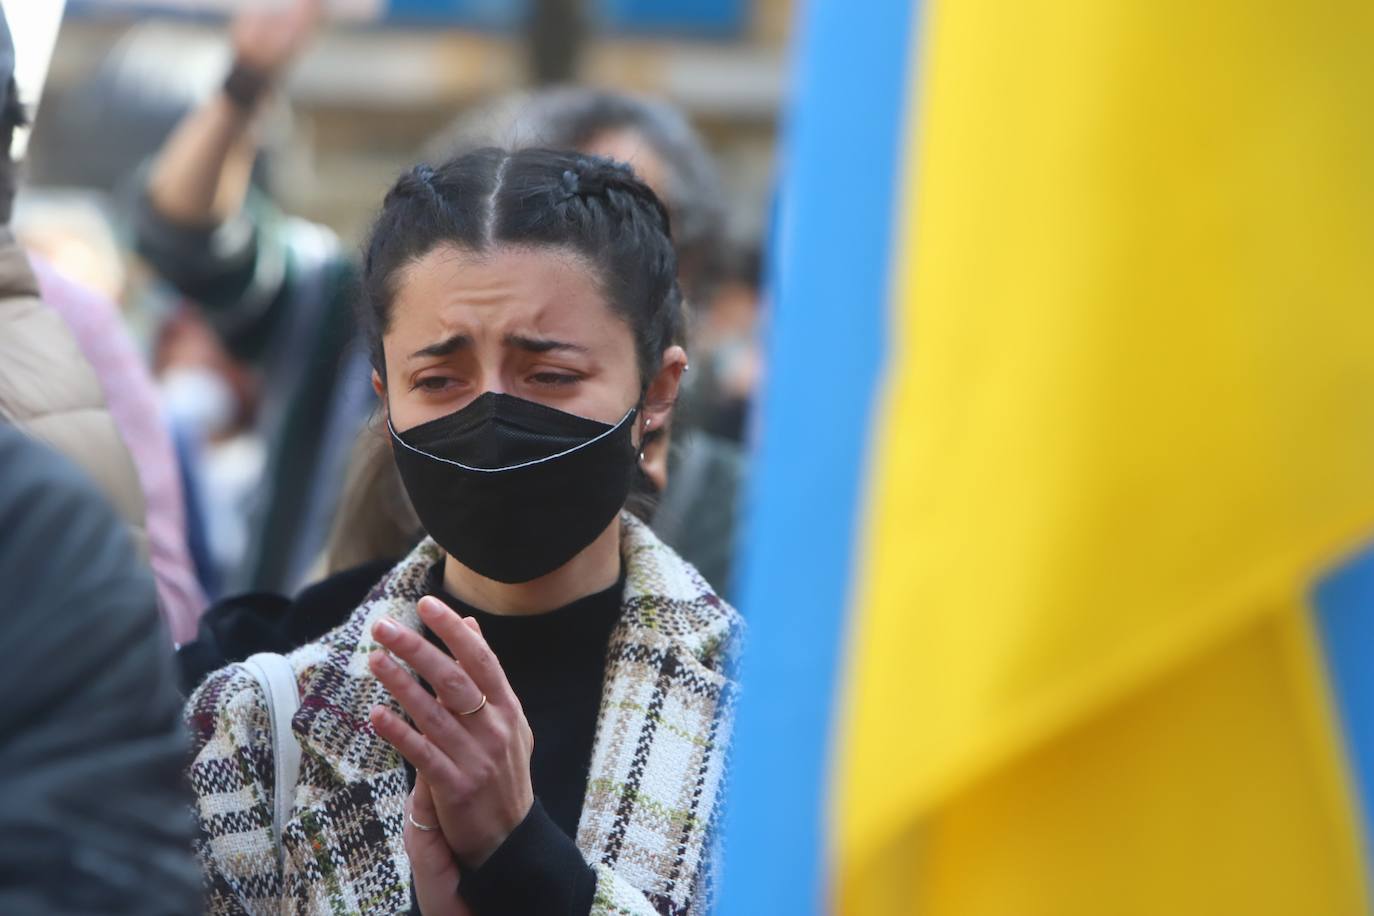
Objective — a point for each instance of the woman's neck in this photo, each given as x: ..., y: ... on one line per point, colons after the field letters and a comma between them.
x: 593, y: 570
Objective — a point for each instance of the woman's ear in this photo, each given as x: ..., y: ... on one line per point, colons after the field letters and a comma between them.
x: 658, y: 414
x: 380, y: 387
x: 662, y: 392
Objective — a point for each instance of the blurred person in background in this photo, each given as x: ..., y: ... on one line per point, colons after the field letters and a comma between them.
x: 71, y: 230
x: 72, y: 249
x: 71, y: 376
x: 520, y: 313
x: 727, y: 334
x: 210, y: 399
x: 653, y: 137
x: 700, y: 514
x: 280, y: 291
x: 46, y: 386
x: 132, y: 399
x: 136, y: 95
x: 277, y: 290
x: 92, y: 811
x: 93, y: 804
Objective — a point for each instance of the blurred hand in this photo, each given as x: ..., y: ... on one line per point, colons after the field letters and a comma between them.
x: 269, y: 40
x: 431, y: 860
x: 470, y: 741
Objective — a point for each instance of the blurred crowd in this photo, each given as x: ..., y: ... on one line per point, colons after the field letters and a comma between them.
x: 181, y: 353
x: 178, y: 221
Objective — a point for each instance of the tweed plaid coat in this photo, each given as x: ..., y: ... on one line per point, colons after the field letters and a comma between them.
x: 654, y: 793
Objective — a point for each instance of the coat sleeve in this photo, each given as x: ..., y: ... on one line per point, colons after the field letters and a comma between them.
x: 231, y: 775
x: 240, y: 271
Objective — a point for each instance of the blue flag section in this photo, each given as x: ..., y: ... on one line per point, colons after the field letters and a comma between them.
x: 1345, y: 620
x: 839, y: 164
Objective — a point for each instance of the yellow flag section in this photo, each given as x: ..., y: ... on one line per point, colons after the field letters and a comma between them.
x: 1129, y: 417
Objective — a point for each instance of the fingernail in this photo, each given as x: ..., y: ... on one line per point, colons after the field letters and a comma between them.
x: 379, y: 659
x: 384, y: 629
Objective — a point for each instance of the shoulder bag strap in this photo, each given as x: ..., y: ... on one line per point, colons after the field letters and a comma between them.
x: 278, y: 682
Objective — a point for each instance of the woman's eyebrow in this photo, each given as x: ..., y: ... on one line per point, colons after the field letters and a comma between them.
x: 444, y: 347
x: 541, y: 345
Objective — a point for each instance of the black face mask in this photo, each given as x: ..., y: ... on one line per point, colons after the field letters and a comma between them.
x: 513, y: 489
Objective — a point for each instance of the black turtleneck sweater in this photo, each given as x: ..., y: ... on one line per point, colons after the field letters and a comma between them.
x: 556, y: 663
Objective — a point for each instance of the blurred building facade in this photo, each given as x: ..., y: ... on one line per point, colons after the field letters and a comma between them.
x: 380, y: 81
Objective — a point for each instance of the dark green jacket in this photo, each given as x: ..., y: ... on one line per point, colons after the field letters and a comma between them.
x: 280, y: 293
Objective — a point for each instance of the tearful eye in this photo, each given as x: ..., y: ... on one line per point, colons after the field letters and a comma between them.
x: 553, y: 378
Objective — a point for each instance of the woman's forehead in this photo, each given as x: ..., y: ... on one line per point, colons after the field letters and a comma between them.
x: 454, y: 290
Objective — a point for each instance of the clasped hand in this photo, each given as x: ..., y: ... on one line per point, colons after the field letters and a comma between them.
x: 469, y: 743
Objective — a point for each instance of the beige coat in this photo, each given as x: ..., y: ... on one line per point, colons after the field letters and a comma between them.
x: 50, y: 392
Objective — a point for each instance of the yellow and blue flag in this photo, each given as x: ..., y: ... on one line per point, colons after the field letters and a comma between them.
x: 1058, y: 569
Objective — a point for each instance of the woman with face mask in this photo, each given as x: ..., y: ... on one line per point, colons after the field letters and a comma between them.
x: 531, y: 712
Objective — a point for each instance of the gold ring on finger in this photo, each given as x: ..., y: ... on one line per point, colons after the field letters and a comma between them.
x: 476, y: 709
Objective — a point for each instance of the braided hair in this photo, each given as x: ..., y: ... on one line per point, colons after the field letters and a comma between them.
x: 488, y: 198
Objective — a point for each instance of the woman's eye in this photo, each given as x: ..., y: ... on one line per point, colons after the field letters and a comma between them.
x: 553, y: 378
x: 434, y: 383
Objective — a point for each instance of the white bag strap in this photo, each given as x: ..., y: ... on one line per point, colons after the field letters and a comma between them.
x: 278, y: 682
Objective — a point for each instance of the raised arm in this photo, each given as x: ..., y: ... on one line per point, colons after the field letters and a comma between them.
x: 201, y: 176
